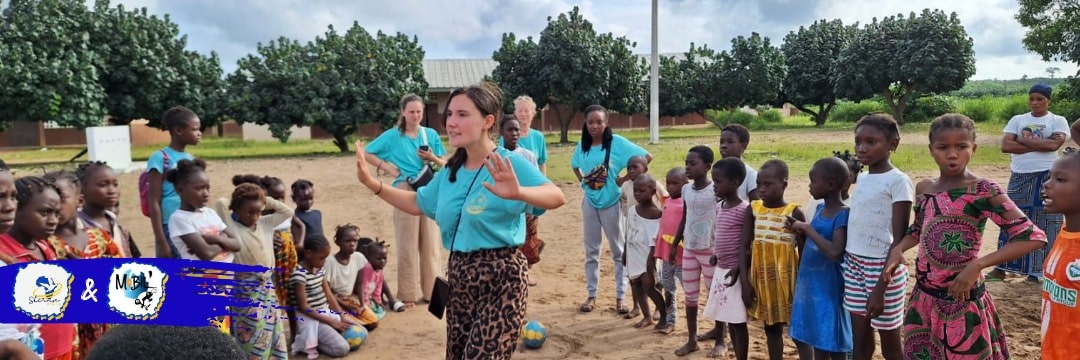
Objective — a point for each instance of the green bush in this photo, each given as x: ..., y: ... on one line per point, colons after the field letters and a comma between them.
x: 852, y: 112
x: 983, y: 109
x: 771, y: 116
x: 1014, y: 105
x: 1068, y: 108
x: 742, y: 118
x: 719, y: 118
x: 927, y: 108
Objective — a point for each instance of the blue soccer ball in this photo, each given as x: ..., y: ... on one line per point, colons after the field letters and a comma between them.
x: 355, y: 336
x: 534, y: 334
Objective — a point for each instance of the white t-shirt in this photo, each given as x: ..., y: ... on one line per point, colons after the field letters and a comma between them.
x: 1039, y: 127
x: 204, y: 221
x: 529, y: 155
x: 342, y: 278
x: 700, y: 208
x: 749, y: 183
x: 870, y: 219
x: 628, y: 200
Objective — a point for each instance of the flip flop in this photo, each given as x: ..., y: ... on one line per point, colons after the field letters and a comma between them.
x: 588, y: 305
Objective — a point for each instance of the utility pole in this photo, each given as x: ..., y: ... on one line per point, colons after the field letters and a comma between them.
x: 654, y: 80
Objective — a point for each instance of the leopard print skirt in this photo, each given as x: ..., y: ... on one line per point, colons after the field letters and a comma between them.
x: 486, y: 309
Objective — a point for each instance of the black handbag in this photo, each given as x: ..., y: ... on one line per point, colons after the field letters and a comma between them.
x: 426, y: 172
x: 440, y: 293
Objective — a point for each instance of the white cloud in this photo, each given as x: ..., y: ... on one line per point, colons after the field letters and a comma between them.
x: 473, y: 28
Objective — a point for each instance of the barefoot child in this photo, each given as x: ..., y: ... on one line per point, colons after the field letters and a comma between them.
x: 387, y: 296
x: 820, y: 326
x: 161, y: 198
x: 642, y: 225
x: 697, y: 227
x: 773, y: 258
x: 725, y: 304
x: 342, y: 271
x: 666, y: 252
x: 951, y: 315
x: 319, y: 326
x: 635, y: 167
x: 375, y: 293
x: 880, y: 211
x: 1060, y: 316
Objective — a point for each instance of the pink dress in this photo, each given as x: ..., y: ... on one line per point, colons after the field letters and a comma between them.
x: 372, y: 281
x: 949, y: 226
x: 669, y: 225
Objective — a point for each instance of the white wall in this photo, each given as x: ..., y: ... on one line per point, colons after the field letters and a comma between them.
x: 261, y: 132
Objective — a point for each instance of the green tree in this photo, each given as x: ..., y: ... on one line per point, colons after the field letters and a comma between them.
x: 692, y: 84
x: 1053, y: 30
x: 902, y: 58
x: 811, y: 54
x: 752, y: 73
x: 74, y: 66
x: 338, y: 82
x: 47, y: 66
x: 572, y: 66
x: 274, y: 88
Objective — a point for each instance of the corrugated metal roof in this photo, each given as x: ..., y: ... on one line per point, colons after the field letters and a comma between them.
x: 448, y: 74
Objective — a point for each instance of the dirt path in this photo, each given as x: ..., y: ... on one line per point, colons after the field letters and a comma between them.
x: 598, y: 335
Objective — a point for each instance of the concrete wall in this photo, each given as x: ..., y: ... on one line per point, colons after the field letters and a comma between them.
x: 251, y: 131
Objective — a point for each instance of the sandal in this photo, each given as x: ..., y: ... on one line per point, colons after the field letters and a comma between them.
x: 686, y: 349
x: 588, y: 305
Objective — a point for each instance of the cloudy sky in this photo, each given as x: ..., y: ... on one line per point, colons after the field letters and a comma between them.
x: 473, y: 28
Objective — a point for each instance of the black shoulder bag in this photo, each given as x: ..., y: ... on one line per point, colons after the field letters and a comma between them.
x: 427, y: 172
x: 440, y: 294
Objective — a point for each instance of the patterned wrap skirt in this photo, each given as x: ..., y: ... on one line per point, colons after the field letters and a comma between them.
x: 260, y: 326
x: 285, y: 261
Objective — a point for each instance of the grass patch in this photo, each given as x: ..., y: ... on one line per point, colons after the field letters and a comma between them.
x: 210, y: 148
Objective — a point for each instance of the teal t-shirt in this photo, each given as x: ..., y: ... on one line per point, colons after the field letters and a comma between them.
x: 535, y: 142
x: 486, y: 221
x: 170, y: 200
x: 621, y: 152
x: 396, y: 148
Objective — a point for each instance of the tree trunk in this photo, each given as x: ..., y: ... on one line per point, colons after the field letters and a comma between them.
x: 819, y: 119
x: 564, y: 123
x: 339, y: 141
x: 823, y: 115
x: 897, y: 103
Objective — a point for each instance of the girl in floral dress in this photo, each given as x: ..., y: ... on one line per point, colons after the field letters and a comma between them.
x: 950, y: 314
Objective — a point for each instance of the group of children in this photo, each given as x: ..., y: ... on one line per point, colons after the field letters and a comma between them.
x: 834, y: 272
x: 72, y: 215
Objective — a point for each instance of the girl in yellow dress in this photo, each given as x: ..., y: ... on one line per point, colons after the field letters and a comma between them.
x: 771, y: 255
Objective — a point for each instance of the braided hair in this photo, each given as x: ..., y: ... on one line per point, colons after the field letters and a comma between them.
x: 341, y: 230
x: 854, y: 167
x: 184, y: 170
x: 83, y: 171
x: 28, y: 186
x: 245, y: 193
x: 370, y: 245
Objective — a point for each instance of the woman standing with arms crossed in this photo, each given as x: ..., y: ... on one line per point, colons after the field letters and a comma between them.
x: 402, y: 152
x: 597, y: 161
x: 1033, y: 141
x: 483, y: 196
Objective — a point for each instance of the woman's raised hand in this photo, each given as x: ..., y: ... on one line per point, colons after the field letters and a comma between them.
x: 506, y: 184
x: 362, y: 173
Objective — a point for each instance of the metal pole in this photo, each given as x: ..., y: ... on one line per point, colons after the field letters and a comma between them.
x: 654, y: 80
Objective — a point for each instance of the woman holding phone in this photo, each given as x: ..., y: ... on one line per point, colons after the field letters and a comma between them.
x: 409, y: 153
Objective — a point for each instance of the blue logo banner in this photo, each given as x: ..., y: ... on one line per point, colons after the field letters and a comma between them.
x: 124, y: 291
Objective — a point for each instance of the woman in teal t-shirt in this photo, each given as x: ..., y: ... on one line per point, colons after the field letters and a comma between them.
x: 599, y: 209
x: 401, y: 152
x: 483, y: 195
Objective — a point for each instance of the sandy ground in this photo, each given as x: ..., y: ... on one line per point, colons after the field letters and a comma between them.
x: 602, y: 334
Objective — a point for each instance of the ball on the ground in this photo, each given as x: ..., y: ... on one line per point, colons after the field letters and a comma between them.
x: 534, y: 334
x: 355, y: 336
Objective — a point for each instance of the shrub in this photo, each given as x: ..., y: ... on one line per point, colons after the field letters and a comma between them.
x: 852, y: 112
x: 719, y: 118
x: 925, y: 109
x: 1068, y: 108
x: 983, y: 109
x: 771, y: 116
x: 1014, y: 105
x: 741, y: 118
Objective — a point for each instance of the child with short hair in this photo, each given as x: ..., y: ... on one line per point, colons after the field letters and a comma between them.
x: 635, y: 167
x: 880, y: 212
x: 303, y: 194
x: 950, y: 314
x: 162, y: 199
x: 772, y: 255
x: 697, y: 228
x: 670, y: 254
x: 854, y: 169
x: 197, y: 230
x: 101, y: 192
x: 734, y: 139
x: 287, y: 236
x: 510, y: 129
x: 642, y: 225
x: 162, y: 342
x: 725, y: 306
x: 820, y: 326
x: 320, y: 324
x: 1060, y: 316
